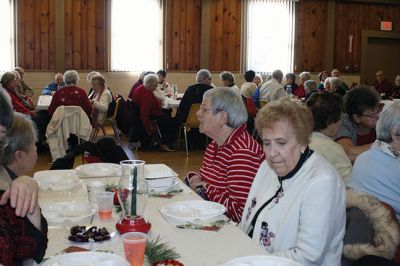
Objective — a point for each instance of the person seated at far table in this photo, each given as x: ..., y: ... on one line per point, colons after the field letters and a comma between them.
x: 291, y: 84
x: 228, y: 80
x: 296, y: 207
x: 377, y: 170
x: 357, y: 131
x: 395, y: 93
x: 300, y: 92
x: 21, y: 239
x: 327, y: 110
x: 322, y: 76
x: 248, y: 88
x: 26, y: 100
x: 233, y: 156
x: 70, y: 94
x: 163, y: 84
x: 89, y: 80
x: 382, y: 85
x: 151, y: 115
x: 23, y: 88
x: 336, y: 86
x: 51, y: 88
x: 310, y: 87
x: 101, y: 99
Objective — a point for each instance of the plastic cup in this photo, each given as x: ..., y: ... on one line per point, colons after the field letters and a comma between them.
x: 105, y: 204
x: 94, y: 187
x: 134, y: 246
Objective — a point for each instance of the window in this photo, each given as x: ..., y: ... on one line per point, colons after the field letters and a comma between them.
x: 7, y: 40
x: 269, y: 35
x: 136, y: 35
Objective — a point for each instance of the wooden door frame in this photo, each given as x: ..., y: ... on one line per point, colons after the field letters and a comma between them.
x: 365, y: 34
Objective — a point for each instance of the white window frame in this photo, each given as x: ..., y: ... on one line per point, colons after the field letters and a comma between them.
x: 136, y: 35
x: 267, y: 47
x: 7, y: 42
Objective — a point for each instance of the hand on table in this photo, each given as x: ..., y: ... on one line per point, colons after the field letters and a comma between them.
x: 23, y: 195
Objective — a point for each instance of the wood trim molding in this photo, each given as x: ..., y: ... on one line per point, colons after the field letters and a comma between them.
x: 365, y: 35
x: 395, y: 2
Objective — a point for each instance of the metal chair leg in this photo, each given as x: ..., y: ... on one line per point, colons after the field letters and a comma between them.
x: 116, y: 133
x: 186, y: 142
x: 179, y: 136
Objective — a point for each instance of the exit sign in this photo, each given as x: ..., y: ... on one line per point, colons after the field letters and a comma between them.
x: 386, y: 25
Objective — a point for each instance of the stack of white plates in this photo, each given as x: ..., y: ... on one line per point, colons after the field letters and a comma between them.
x: 87, y: 259
x: 98, y: 170
x: 262, y: 261
x: 74, y: 212
x: 57, y: 180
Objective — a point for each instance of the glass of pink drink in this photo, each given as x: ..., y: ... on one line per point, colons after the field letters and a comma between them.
x: 134, y: 246
x: 105, y: 204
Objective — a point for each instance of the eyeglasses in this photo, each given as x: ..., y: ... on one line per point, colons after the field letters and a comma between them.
x: 374, y: 114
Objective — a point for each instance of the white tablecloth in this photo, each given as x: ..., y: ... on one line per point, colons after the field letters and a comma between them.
x: 197, y: 247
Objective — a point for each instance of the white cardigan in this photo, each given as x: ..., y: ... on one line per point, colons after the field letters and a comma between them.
x: 66, y: 120
x: 307, y: 224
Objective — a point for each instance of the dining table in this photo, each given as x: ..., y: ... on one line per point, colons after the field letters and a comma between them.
x: 196, y: 247
x: 44, y: 102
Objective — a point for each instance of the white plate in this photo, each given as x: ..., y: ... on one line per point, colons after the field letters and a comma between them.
x: 261, y: 261
x: 74, y: 212
x: 154, y: 171
x: 165, y: 188
x: 99, y: 170
x: 190, y: 211
x: 57, y: 180
x: 86, y: 259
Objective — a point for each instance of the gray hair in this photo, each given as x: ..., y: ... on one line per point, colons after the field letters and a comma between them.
x: 228, y: 100
x: 389, y: 120
x: 150, y: 79
x: 202, y: 75
x: 58, y: 75
x: 277, y: 74
x: 21, y: 134
x: 71, y: 77
x: 327, y: 80
x: 337, y: 82
x: 305, y: 75
x: 7, y: 77
x: 90, y: 75
x: 310, y: 85
x: 226, y: 75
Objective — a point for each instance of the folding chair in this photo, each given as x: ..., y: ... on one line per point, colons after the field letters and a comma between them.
x: 191, y: 122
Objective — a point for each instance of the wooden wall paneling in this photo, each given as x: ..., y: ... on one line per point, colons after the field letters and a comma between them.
x: 310, y: 36
x: 224, y: 35
x: 44, y: 34
x: 52, y: 36
x: 196, y: 29
x: 77, y: 34
x: 168, y: 14
x: 84, y: 34
x: 176, y: 34
x: 100, y: 40
x: 351, y: 19
x: 182, y: 34
x: 68, y: 35
x: 21, y: 40
x: 36, y: 35
x: 29, y: 41
x: 189, y: 35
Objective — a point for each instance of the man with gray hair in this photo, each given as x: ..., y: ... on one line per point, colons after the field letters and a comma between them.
x: 51, y: 88
x: 194, y: 93
x: 272, y: 90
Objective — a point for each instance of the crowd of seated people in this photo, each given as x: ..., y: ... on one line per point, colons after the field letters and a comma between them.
x: 306, y: 148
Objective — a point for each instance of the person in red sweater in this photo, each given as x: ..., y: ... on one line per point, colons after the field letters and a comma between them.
x: 152, y: 116
x: 9, y: 82
x: 300, y: 92
x: 382, y: 85
x: 70, y: 94
x: 232, y: 158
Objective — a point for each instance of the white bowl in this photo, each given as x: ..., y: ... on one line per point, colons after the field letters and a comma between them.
x: 74, y: 212
x: 262, y: 261
x: 161, y: 182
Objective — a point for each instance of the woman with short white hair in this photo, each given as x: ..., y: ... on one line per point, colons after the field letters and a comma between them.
x: 377, y: 170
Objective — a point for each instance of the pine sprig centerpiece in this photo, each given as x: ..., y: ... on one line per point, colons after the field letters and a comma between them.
x: 156, y: 251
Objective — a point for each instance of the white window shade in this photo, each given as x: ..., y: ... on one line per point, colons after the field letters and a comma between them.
x: 7, y: 40
x: 136, y: 35
x: 270, y: 35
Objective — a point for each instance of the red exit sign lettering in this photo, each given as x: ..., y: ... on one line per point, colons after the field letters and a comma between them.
x: 386, y: 25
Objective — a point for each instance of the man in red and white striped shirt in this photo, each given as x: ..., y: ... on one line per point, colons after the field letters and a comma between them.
x: 233, y: 157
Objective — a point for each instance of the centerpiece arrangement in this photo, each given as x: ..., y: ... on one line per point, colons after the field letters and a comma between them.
x: 132, y: 192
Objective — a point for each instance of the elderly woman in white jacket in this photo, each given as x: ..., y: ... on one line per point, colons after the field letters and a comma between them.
x: 296, y: 207
x: 101, y: 99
